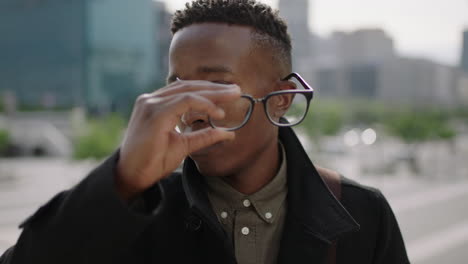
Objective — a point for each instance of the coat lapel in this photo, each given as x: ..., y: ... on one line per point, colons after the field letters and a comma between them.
x: 315, y: 219
x: 200, y: 208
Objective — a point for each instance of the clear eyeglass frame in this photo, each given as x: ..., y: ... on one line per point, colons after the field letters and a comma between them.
x: 308, y: 93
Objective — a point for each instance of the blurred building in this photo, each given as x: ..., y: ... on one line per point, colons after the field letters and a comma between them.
x: 462, y: 89
x: 360, y: 80
x: 464, y: 56
x: 42, y: 59
x: 364, y: 64
x: 462, y: 84
x: 417, y: 81
x: 66, y: 53
x: 398, y: 80
x: 163, y: 37
x: 364, y: 46
x: 296, y: 15
x: 348, y: 64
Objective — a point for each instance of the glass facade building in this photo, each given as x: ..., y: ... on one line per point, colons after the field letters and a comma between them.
x: 93, y: 53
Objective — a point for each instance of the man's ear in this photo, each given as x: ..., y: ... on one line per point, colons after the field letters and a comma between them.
x: 287, y: 85
x: 280, y: 104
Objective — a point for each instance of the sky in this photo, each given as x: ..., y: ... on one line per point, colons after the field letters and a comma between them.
x: 420, y: 28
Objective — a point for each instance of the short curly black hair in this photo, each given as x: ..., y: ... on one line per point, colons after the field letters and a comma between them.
x: 269, y: 28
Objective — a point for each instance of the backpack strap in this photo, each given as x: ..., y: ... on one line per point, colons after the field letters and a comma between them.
x: 333, y: 180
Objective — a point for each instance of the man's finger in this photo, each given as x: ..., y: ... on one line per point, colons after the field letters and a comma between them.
x: 179, y: 104
x: 219, y: 96
x: 199, y: 104
x: 194, y: 86
x: 200, y: 139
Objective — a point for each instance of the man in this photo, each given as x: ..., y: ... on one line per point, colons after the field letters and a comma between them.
x: 248, y: 192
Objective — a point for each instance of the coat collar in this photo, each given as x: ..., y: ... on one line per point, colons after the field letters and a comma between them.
x: 314, y: 214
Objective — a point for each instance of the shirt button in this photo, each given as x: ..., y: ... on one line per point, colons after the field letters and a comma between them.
x: 268, y: 215
x: 246, y: 203
x: 224, y: 215
x: 245, y: 231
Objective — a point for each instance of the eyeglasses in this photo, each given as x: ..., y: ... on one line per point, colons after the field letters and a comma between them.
x: 283, y: 108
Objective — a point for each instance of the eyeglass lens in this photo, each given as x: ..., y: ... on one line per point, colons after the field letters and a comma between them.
x: 281, y: 106
x: 236, y: 113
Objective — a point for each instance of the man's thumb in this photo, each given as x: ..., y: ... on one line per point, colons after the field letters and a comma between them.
x: 206, y: 137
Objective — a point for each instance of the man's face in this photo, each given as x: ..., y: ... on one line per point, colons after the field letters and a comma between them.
x: 223, y: 53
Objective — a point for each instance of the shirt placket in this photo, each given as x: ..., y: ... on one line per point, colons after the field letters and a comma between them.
x: 245, y: 234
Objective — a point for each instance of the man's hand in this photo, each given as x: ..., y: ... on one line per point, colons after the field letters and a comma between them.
x: 152, y: 149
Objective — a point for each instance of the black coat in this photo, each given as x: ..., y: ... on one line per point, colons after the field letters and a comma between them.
x: 90, y: 224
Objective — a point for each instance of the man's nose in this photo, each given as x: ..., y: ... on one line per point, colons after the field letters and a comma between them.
x: 195, y: 121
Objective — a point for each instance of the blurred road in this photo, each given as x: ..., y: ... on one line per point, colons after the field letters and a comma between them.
x: 433, y: 215
x: 25, y: 184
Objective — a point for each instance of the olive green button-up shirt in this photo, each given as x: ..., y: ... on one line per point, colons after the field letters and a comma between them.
x: 254, y: 222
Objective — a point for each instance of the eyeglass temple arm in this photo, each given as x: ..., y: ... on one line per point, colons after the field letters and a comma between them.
x: 299, y: 78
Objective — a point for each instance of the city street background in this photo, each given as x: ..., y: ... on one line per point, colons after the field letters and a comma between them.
x: 390, y: 107
x: 432, y: 212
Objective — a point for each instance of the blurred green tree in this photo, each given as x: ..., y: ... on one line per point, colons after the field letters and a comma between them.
x: 419, y: 125
x: 102, y: 137
x: 324, y: 118
x: 4, y: 140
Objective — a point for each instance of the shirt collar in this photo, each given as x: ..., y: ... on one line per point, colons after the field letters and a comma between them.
x: 310, y: 203
x: 266, y: 202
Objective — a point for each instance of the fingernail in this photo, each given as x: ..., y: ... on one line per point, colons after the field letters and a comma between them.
x: 232, y: 136
x: 221, y: 112
x: 234, y: 87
